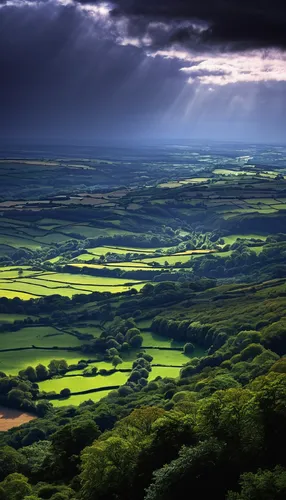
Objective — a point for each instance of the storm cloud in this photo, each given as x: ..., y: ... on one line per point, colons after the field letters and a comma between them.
x: 231, y: 24
x: 83, y: 70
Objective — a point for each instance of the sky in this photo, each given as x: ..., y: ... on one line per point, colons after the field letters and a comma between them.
x: 83, y: 71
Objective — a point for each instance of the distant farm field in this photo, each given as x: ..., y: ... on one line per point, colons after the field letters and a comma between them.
x: 31, y: 284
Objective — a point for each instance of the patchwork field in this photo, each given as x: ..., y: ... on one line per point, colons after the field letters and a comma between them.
x: 76, y: 224
x: 31, y: 284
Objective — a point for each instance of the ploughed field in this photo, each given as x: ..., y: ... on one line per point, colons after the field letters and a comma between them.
x: 13, y: 418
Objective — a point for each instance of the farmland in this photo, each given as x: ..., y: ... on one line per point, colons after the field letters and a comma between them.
x: 39, y: 284
x: 79, y: 253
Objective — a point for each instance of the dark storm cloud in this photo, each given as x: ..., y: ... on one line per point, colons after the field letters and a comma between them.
x: 62, y: 76
x: 230, y: 24
x: 72, y: 72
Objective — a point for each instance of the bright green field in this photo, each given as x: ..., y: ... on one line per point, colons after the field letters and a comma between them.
x: 229, y: 240
x: 225, y: 171
x: 125, y: 266
x: 13, y: 268
x: 39, y: 336
x: 281, y: 206
x: 12, y: 362
x: 154, y: 340
x: 65, y: 284
x: 131, y: 249
x: 171, y: 259
x: 84, y: 257
x: 168, y: 357
x: 11, y: 273
x: 80, y: 398
x: 120, y: 250
x: 79, y: 383
x: 85, y: 279
x: 162, y: 371
x: 100, y: 365
x: 30, y: 290
x: 11, y: 294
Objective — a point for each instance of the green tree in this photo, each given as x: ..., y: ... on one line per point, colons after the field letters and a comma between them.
x: 10, y: 461
x: 16, y: 486
x: 16, y: 397
x: 42, y: 372
x: 132, y: 332
x: 37, y: 454
x: 57, y: 366
x: 139, y: 423
x: 116, y: 361
x: 233, y: 416
x: 43, y: 408
x: 147, y: 289
x: 136, y: 341
x: 70, y: 439
x: 264, y: 485
x: 189, y: 348
x: 195, y: 470
x: 107, y: 468
x: 29, y: 373
x: 65, y: 393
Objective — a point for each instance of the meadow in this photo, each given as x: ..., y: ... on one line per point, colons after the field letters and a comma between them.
x: 12, y: 362
x: 79, y: 383
x: 37, y: 336
x: 80, y: 398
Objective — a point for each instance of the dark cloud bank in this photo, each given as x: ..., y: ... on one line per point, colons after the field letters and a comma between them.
x: 64, y: 77
x: 235, y: 24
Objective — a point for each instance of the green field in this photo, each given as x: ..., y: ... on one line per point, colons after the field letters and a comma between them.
x: 119, y: 250
x: 45, y: 284
x: 39, y: 336
x: 163, y: 371
x: 229, y: 240
x: 12, y: 362
x: 168, y: 357
x: 153, y: 340
x: 90, y: 329
x: 171, y: 259
x: 10, y: 318
x: 80, y: 383
x: 80, y: 398
x: 11, y: 294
